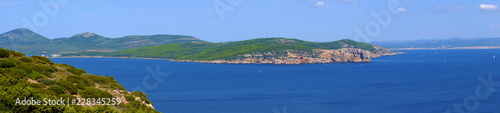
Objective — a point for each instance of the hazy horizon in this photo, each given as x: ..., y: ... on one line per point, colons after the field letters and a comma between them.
x: 268, y: 37
x: 223, y: 21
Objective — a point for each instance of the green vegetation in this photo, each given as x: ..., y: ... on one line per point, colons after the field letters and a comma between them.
x: 230, y: 50
x: 26, y: 41
x: 76, y: 71
x: 129, y: 97
x: 57, y: 89
x: 72, y: 89
x: 49, y: 82
x: 6, y: 63
x: 43, y: 59
x: 95, y: 93
x: 40, y: 78
x: 4, y: 53
x: 143, y: 96
x: 26, y: 59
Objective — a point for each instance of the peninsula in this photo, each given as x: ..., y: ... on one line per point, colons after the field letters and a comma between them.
x: 255, y: 51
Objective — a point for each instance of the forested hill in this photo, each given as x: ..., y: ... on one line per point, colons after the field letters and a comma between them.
x: 40, y: 78
x: 263, y: 47
x: 27, y: 41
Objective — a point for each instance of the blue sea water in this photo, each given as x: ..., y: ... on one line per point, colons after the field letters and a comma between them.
x: 423, y: 81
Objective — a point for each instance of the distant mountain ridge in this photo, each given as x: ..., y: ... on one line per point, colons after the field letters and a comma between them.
x: 442, y: 44
x: 22, y: 36
x: 27, y: 41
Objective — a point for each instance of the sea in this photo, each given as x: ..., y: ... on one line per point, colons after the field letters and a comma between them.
x: 419, y: 81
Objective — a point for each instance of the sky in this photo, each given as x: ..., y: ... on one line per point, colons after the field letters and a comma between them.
x: 235, y: 20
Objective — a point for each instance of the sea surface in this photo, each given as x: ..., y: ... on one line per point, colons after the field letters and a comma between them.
x: 423, y: 81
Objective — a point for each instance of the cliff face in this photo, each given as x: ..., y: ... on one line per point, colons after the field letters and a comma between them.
x: 307, y: 57
x: 346, y: 55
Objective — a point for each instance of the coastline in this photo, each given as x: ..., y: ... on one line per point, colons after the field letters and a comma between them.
x: 227, y: 61
x: 197, y: 61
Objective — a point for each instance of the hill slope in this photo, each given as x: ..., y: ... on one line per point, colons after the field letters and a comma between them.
x: 40, y: 78
x: 22, y: 36
x: 264, y: 50
x: 26, y: 41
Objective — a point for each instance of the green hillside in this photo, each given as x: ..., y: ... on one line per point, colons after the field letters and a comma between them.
x: 230, y: 50
x: 22, y: 36
x: 26, y: 41
x: 40, y: 78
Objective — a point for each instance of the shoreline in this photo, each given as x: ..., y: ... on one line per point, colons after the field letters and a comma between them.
x: 216, y: 61
x: 204, y: 62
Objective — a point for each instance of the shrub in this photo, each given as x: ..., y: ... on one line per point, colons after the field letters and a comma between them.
x: 48, y: 92
x: 68, y: 86
x: 81, y: 70
x: 66, y: 65
x: 37, y: 85
x: 54, y: 68
x: 80, y: 86
x: 4, y: 53
x: 76, y: 71
x: 95, y: 93
x: 36, y: 76
x: 57, y: 89
x: 49, y: 82
x: 88, y: 83
x: 105, y: 109
x: 143, y: 96
x: 119, y: 86
x: 16, y: 54
x: 46, y: 70
x: 111, y: 77
x: 7, y: 63
x: 66, y: 96
x: 129, y: 97
x: 17, y: 73
x: 15, y: 60
x: 25, y: 69
x: 74, y: 78
x: 137, y: 105
x: 26, y: 59
x: 8, y: 81
x: 46, y: 60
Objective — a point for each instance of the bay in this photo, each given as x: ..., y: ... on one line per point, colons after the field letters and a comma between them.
x: 418, y: 81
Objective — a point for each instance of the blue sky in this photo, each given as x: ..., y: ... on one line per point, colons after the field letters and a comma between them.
x: 311, y: 20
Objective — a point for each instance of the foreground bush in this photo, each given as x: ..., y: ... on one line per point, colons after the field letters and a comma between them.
x: 40, y: 78
x: 95, y: 93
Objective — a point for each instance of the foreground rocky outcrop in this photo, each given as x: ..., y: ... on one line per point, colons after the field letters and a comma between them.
x: 316, y: 56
